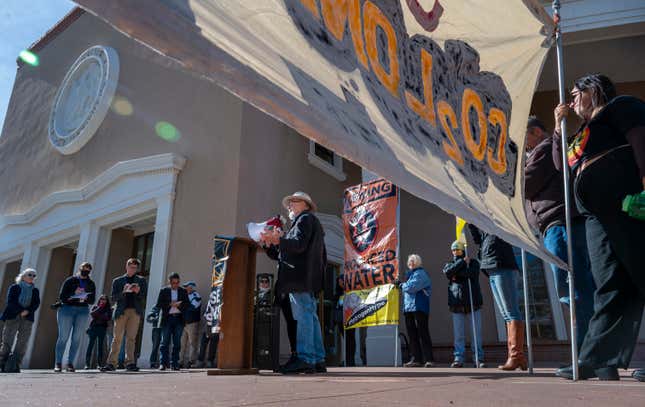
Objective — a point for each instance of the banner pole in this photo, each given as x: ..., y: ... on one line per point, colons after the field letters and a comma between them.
x: 472, y: 314
x: 472, y: 317
x: 398, y: 272
x: 567, y: 203
x: 527, y: 314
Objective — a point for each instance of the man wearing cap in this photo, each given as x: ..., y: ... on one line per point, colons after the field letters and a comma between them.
x: 544, y: 203
x: 301, y: 264
x: 190, y: 337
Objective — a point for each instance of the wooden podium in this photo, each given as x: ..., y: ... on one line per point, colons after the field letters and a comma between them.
x: 235, y: 350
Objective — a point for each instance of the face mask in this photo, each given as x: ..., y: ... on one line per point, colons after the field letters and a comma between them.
x: 85, y: 273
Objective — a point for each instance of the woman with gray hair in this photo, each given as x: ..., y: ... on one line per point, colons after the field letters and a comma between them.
x: 416, y: 307
x: 23, y: 299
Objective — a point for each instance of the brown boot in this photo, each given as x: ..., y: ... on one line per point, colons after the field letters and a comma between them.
x: 516, y: 356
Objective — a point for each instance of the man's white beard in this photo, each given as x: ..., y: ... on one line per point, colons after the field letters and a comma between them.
x: 292, y: 215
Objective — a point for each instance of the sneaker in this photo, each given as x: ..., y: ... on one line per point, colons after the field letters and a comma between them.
x: 412, y: 363
x: 481, y: 364
x: 70, y: 368
x: 320, y: 367
x: 457, y: 363
x: 120, y: 365
x: 132, y: 368
x: 162, y: 368
x: 639, y: 374
x: 176, y: 367
x: 87, y: 367
x: 429, y: 364
x: 107, y: 368
x: 58, y: 368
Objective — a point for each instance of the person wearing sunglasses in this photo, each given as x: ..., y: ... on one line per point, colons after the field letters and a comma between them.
x: 606, y: 157
x: 23, y: 299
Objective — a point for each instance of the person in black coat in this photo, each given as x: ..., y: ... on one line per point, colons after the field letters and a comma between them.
x: 301, y: 265
x: 172, y: 303
x: 497, y: 261
x: 23, y: 299
x: 463, y: 281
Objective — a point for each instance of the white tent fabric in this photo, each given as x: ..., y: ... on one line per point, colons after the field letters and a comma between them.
x: 433, y: 95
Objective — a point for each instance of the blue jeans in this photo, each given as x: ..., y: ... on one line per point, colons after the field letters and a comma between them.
x: 172, y: 330
x: 503, y: 284
x: 459, y: 322
x: 71, y: 321
x: 555, y: 241
x: 309, y: 345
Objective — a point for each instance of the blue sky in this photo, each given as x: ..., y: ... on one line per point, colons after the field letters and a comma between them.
x: 21, y: 23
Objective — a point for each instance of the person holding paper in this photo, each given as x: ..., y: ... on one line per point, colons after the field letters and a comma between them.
x: 173, y: 302
x: 128, y: 293
x: 76, y: 295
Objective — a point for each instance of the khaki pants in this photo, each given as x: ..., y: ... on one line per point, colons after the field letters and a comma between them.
x: 127, y: 324
x: 189, y: 344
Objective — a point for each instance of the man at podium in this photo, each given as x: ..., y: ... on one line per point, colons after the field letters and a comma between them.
x: 301, y: 257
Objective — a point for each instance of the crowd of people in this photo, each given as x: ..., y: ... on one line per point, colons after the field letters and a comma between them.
x: 606, y: 162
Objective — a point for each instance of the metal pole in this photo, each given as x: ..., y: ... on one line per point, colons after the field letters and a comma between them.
x: 396, y: 346
x: 527, y: 314
x: 567, y: 203
x: 472, y: 317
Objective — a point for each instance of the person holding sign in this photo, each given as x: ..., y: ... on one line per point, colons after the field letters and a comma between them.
x: 607, y: 161
x: 464, y: 297
x: 76, y: 294
x: 302, y: 260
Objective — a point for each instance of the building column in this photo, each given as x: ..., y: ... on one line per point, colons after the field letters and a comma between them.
x: 158, y: 264
x: 38, y: 258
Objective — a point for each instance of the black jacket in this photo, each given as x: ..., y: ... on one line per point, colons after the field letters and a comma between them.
x: 301, y: 256
x: 458, y: 273
x: 164, y: 300
x: 69, y: 287
x: 100, y: 316
x: 13, y: 308
x: 119, y: 298
x: 494, y: 253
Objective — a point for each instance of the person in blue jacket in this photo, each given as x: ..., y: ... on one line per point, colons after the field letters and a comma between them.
x: 416, y: 307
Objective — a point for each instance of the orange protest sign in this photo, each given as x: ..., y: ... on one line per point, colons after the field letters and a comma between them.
x: 371, y: 238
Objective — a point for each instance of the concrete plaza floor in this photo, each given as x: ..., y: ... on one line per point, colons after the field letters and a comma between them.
x: 440, y: 386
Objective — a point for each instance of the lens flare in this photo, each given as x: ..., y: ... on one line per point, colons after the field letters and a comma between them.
x: 167, y: 131
x: 122, y: 106
x: 29, y: 57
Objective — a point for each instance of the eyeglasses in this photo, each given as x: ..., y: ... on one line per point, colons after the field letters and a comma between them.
x: 30, y: 275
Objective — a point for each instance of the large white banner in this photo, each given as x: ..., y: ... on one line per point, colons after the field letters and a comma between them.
x: 431, y: 95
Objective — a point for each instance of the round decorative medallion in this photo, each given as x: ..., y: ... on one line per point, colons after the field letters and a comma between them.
x: 83, y: 99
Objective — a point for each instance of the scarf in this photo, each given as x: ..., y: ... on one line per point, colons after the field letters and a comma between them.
x: 26, y: 291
